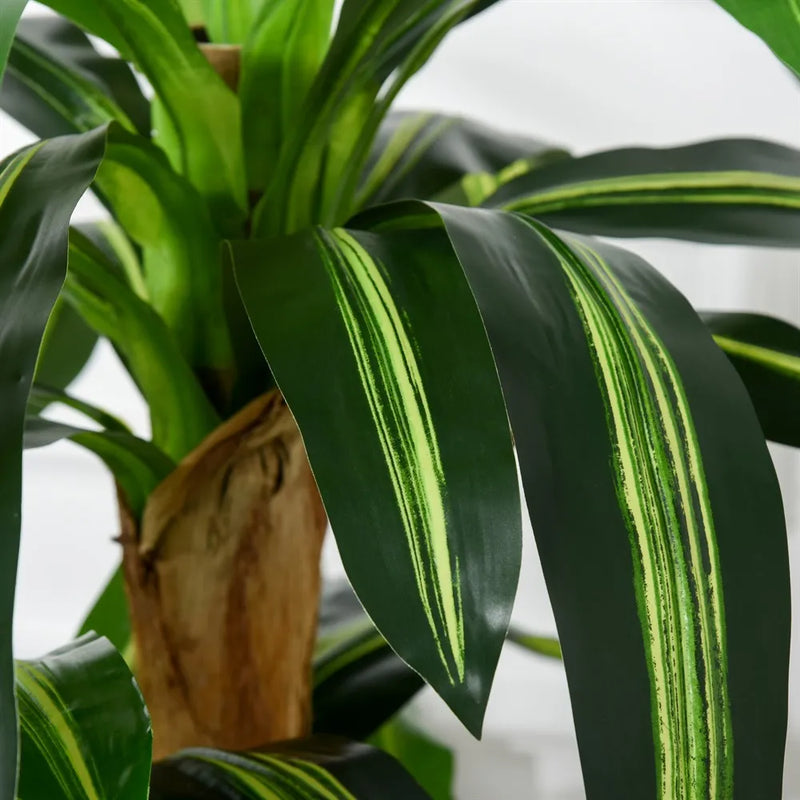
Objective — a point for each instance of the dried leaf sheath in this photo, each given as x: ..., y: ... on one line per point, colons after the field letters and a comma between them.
x: 223, y: 584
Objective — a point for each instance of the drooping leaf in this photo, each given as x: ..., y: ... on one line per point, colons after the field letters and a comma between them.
x: 319, y: 767
x: 84, y: 728
x: 421, y: 155
x: 736, y: 190
x: 39, y: 187
x: 406, y: 414
x: 121, y: 253
x: 92, y: 18
x: 180, y: 413
x: 777, y: 22
x: 359, y: 681
x: 643, y: 504
x: 160, y: 211
x: 280, y: 59
x: 138, y: 466
x: 377, y: 47
x: 42, y: 395
x: 67, y: 345
x: 766, y: 354
x: 203, y: 111
x: 429, y: 762
x: 57, y: 83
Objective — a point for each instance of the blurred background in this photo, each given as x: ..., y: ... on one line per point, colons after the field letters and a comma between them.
x: 584, y: 74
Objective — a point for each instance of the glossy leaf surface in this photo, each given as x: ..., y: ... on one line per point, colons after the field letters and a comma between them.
x: 405, y: 413
x: 643, y: 507
x: 420, y: 155
x: 57, y: 82
x: 303, y: 769
x: 10, y: 13
x: 39, y: 188
x: 766, y: 354
x: 85, y: 730
x: 735, y: 190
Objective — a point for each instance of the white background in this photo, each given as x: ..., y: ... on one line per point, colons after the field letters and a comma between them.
x: 588, y: 74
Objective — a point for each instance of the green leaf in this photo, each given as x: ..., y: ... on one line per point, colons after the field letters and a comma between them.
x: 377, y: 47
x: 10, y: 12
x: 319, y: 767
x: 109, y: 615
x: 766, y: 354
x: 643, y: 505
x: 67, y: 346
x: 138, y: 466
x: 84, y: 728
x: 421, y: 155
x: 430, y: 763
x: 404, y: 412
x: 160, y: 211
x: 39, y: 187
x: 359, y: 681
x: 91, y: 17
x: 180, y: 414
x: 231, y: 21
x: 280, y: 59
x: 57, y: 83
x: 203, y: 111
x: 777, y: 22
x: 42, y: 395
x: 735, y: 190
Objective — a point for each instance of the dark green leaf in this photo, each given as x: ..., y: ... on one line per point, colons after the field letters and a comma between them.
x: 404, y: 412
x: 66, y: 347
x: 431, y: 764
x: 58, y: 83
x: 766, y: 354
x: 84, y: 728
x: 643, y: 504
x: 735, y: 190
x: 109, y: 615
x: 91, y: 17
x: 359, y: 682
x: 777, y: 22
x: 39, y: 187
x: 420, y: 155
x: 138, y: 466
x: 320, y: 767
x: 180, y: 414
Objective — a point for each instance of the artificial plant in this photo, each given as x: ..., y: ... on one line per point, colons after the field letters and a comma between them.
x: 337, y: 312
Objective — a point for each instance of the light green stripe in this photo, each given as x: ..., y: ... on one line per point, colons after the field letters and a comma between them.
x: 385, y: 356
x: 354, y: 653
x: 662, y: 489
x: 719, y: 187
x: 44, y: 695
x: 775, y: 360
x: 249, y: 780
x: 12, y: 171
x: 319, y: 785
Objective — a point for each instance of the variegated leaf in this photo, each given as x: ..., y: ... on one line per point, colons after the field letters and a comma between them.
x: 405, y: 414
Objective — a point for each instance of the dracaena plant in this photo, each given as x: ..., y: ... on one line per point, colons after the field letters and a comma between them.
x: 338, y: 312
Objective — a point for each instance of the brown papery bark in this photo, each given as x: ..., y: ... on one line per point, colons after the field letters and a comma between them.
x: 223, y: 586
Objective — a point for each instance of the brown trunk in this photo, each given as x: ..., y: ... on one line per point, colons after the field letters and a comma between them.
x: 223, y: 586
